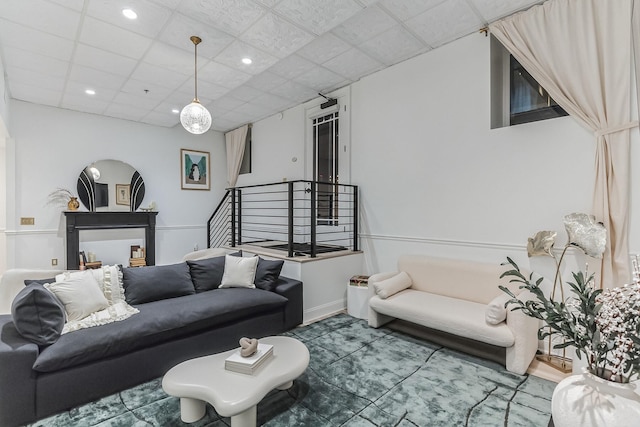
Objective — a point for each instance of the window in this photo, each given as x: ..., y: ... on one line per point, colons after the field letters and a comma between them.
x: 245, y: 167
x: 516, y: 97
x: 325, y: 165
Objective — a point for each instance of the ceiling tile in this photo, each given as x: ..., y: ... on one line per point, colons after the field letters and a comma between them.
x: 266, y: 81
x: 393, y: 46
x: 35, y: 79
x: 180, y: 29
x: 95, y: 78
x: 159, y: 76
x: 114, y: 39
x: 83, y: 103
x: 127, y: 112
x: 172, y: 59
x: 231, y: 16
x: 294, y: 91
x: 320, y: 79
x: 407, y: 9
x: 138, y: 88
x: 292, y: 66
x: 34, y: 94
x: 151, y: 17
x: 32, y: 61
x: 318, y: 16
x: 495, y: 9
x: 272, y: 101
x: 74, y: 89
x: 71, y: 4
x: 268, y: 3
x: 365, y: 25
x: 161, y: 119
x: 227, y: 103
x: 324, y: 48
x: 222, y: 75
x: 232, y: 56
x: 101, y: 59
x: 42, y: 15
x: 353, y: 64
x: 435, y: 26
x: 35, y: 41
x: 253, y: 111
x: 207, y: 92
x: 141, y: 102
x: 276, y: 36
x: 246, y: 93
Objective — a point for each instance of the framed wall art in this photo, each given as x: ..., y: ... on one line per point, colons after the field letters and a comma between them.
x: 194, y: 170
x: 123, y: 194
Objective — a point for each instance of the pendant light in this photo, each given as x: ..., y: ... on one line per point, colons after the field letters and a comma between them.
x: 195, y: 118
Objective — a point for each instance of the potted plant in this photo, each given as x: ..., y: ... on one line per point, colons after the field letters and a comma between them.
x: 601, y: 324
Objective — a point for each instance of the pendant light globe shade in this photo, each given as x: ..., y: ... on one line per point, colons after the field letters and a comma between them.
x: 195, y: 118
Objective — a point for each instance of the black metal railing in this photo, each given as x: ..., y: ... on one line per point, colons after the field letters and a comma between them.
x: 299, y: 217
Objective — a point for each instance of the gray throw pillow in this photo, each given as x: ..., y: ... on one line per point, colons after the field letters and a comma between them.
x: 28, y: 282
x: 156, y: 282
x: 207, y: 273
x: 267, y: 273
x: 38, y: 315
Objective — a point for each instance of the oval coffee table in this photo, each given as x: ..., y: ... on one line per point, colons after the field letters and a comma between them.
x: 232, y: 394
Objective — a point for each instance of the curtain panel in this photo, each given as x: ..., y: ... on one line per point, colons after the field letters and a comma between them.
x: 580, y: 52
x: 235, y: 142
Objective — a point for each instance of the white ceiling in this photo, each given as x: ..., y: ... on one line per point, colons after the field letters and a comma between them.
x: 53, y: 50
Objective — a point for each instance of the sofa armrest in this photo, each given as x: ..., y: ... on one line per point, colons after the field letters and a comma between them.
x: 17, y: 378
x: 525, y: 332
x: 291, y: 289
x: 375, y: 319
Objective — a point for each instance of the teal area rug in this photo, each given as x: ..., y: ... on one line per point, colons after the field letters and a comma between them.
x: 357, y: 377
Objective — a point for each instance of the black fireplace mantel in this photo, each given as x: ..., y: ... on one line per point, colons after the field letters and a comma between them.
x: 77, y: 221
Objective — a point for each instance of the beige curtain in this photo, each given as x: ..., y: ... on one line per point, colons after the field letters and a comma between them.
x: 580, y: 52
x: 235, y: 140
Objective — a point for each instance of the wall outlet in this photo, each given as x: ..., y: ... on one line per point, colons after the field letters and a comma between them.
x: 54, y: 261
x: 25, y: 220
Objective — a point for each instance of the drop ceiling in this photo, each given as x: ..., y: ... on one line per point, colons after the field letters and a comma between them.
x: 141, y: 70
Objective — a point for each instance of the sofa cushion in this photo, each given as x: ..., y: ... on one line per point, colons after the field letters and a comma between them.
x: 157, y: 322
x: 38, y: 315
x: 80, y: 293
x: 267, y: 273
x: 392, y: 285
x: 153, y: 283
x: 496, y: 312
x: 207, y: 273
x: 239, y: 272
x: 452, y: 315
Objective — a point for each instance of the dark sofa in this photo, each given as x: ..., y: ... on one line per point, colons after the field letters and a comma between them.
x: 85, y: 365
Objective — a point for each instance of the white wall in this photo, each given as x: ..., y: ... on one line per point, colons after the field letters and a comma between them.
x: 434, y: 178
x: 51, y: 146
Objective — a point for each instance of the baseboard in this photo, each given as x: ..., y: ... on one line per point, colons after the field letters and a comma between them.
x: 323, y: 311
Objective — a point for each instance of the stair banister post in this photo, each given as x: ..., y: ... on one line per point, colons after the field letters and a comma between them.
x: 290, y: 219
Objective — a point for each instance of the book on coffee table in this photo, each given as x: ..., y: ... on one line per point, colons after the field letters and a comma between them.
x: 248, y: 365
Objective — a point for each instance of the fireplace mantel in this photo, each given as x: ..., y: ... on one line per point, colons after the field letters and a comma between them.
x: 77, y: 221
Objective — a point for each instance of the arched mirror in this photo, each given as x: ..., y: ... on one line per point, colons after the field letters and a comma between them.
x: 110, y: 185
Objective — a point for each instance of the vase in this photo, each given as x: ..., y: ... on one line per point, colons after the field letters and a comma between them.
x: 586, y: 400
x: 73, y: 204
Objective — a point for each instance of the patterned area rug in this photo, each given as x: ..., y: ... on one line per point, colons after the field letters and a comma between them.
x: 357, y: 377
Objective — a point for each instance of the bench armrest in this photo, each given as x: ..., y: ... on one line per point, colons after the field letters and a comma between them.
x: 291, y: 289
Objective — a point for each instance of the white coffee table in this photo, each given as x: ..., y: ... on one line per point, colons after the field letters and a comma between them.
x: 233, y: 394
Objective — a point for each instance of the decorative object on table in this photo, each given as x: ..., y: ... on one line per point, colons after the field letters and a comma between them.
x: 123, y: 194
x: 603, y: 325
x: 194, y: 170
x: 137, y: 257
x: 150, y: 208
x: 62, y: 197
x: 358, y: 297
x: 249, y: 365
x: 248, y: 346
x: 195, y: 118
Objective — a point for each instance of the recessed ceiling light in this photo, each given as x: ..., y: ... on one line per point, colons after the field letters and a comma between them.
x: 246, y: 61
x: 90, y: 92
x: 129, y: 13
x: 175, y: 111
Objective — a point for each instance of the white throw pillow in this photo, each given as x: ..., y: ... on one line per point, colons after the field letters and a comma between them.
x: 385, y: 288
x: 80, y: 293
x: 496, y: 311
x: 114, y: 313
x: 239, y: 272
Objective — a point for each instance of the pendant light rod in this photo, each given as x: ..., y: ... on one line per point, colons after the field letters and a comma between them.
x: 196, y: 41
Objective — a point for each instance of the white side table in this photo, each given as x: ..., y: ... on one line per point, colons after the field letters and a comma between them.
x: 358, y: 297
x: 233, y: 394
